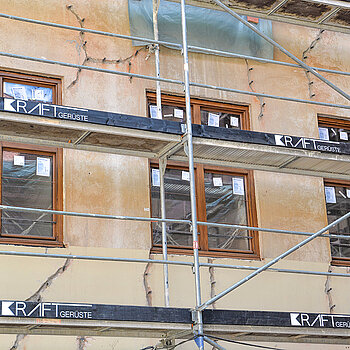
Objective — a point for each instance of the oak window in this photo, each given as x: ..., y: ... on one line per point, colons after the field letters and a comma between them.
x: 212, y: 113
x: 333, y: 129
x: 337, y: 192
x: 223, y: 195
x: 31, y: 176
x: 337, y: 195
x: 30, y: 87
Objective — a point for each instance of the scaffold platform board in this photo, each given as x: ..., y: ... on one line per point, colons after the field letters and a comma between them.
x: 323, y: 14
x: 58, y: 318
x: 68, y: 127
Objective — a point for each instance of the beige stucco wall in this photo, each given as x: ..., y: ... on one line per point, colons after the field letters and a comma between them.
x: 112, y: 184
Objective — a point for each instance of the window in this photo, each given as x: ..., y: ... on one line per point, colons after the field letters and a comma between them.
x: 332, y: 129
x: 30, y: 87
x: 31, y: 176
x: 337, y: 192
x: 338, y: 204
x: 223, y: 195
x: 210, y: 113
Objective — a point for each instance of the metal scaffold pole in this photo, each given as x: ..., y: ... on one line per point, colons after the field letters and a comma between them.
x: 162, y: 166
x: 171, y: 81
x: 191, y: 48
x: 156, y: 54
x: 282, y: 49
x: 162, y: 162
x: 198, y: 314
x: 272, y: 262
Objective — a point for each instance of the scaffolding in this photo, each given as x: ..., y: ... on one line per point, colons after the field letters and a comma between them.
x: 180, y: 147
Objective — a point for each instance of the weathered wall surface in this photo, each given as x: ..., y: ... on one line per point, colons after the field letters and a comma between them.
x: 111, y: 184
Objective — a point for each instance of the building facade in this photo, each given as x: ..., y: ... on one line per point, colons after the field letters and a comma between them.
x: 48, y: 176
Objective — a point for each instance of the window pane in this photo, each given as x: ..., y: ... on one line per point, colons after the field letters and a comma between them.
x: 177, y: 114
x: 226, y: 203
x: 178, y: 206
x: 27, y: 181
x: 334, y: 134
x: 223, y: 120
x: 338, y: 204
x: 27, y: 92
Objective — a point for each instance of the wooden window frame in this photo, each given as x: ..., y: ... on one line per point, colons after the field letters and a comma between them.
x: 243, y: 111
x: 31, y: 79
x: 197, y: 104
x: 337, y: 261
x: 324, y: 121
x: 201, y: 212
x: 57, y: 156
x: 335, y: 122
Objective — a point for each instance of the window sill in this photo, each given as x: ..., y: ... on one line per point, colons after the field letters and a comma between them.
x: 32, y: 242
x: 209, y: 254
x: 341, y: 262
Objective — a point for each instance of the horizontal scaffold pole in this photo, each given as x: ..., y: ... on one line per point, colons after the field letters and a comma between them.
x: 177, y: 221
x: 282, y: 49
x: 135, y: 218
x: 86, y: 30
x: 92, y: 257
x: 171, y: 81
x: 191, y: 48
x: 157, y: 261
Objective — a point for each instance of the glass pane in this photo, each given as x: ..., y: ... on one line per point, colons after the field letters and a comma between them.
x: 27, y: 92
x: 177, y: 204
x: 226, y: 203
x: 334, y: 134
x: 219, y: 119
x: 177, y: 114
x: 338, y: 204
x: 27, y: 181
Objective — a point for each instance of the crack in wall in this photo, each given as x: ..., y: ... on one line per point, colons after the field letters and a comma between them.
x: 82, y: 342
x: 212, y: 281
x: 81, y: 45
x: 328, y: 290
x: 18, y: 341
x: 146, y: 285
x: 251, y: 87
x: 37, y: 296
x: 304, y: 58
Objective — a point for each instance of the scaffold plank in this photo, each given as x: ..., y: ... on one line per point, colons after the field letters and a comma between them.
x: 91, y: 130
x: 57, y: 318
x: 323, y: 14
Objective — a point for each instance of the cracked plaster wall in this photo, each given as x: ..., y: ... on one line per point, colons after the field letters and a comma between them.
x: 105, y: 183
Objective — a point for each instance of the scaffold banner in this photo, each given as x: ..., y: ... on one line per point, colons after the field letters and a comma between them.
x: 81, y: 115
x: 81, y: 311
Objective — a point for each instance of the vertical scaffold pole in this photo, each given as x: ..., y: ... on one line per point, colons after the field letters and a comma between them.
x: 162, y: 162
x: 162, y: 167
x: 199, y: 318
x: 156, y: 55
